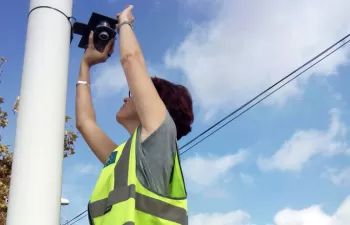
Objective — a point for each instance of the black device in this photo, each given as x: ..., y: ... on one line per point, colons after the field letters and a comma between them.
x: 103, y: 28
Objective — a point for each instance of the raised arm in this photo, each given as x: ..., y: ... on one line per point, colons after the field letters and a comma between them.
x: 150, y: 108
x: 98, y: 141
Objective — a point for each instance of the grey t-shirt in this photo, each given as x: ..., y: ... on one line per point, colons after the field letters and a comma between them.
x: 155, y: 157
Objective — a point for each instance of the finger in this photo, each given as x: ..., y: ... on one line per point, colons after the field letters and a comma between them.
x: 108, y: 47
x: 91, y: 39
x: 112, y: 48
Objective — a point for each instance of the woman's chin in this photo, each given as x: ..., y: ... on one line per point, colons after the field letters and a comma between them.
x: 119, y: 116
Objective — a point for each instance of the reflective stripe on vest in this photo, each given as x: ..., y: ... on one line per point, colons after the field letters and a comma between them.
x: 123, y: 192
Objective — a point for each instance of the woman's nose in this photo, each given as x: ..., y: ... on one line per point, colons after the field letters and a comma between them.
x: 125, y: 100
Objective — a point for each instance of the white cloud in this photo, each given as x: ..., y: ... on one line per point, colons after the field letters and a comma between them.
x: 246, y: 178
x: 86, y: 169
x: 311, y: 215
x: 231, y: 218
x: 210, y: 176
x: 248, y: 45
x: 305, y: 144
x: 205, y: 171
x: 110, y: 79
x: 314, y: 215
x: 338, y: 176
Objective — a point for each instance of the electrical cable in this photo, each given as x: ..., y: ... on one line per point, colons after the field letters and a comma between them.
x: 68, y: 17
x: 290, y: 80
x: 253, y: 99
x: 78, y: 220
x: 263, y: 92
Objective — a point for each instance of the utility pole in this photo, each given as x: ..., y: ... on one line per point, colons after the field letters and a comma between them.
x: 64, y: 202
x: 35, y: 189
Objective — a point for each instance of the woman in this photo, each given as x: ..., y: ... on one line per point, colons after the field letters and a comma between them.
x: 156, y: 114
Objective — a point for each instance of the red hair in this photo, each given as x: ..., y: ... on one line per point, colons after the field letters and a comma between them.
x: 178, y: 102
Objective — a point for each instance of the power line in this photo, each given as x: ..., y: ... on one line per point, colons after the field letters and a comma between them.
x: 290, y: 80
x: 78, y: 219
x: 266, y: 90
x: 253, y: 99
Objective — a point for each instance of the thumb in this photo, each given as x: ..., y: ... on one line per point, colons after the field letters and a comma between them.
x: 108, y: 47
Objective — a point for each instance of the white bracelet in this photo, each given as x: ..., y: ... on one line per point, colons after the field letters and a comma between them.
x: 83, y: 82
x: 123, y: 23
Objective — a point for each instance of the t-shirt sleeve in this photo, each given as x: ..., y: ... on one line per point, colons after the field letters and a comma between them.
x: 155, y: 157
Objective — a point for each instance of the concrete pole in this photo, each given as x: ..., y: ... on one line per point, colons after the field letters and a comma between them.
x: 36, y: 178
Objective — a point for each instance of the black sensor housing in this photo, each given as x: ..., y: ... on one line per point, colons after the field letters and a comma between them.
x: 103, y: 27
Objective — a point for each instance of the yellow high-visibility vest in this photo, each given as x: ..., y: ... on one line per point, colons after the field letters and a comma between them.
x: 120, y: 199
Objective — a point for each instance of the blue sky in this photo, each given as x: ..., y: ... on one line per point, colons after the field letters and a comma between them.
x: 284, y: 163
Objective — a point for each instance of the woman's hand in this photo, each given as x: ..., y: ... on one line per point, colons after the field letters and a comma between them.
x: 126, y: 15
x: 92, y: 56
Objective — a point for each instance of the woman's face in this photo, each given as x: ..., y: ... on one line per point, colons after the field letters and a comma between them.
x: 127, y: 111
